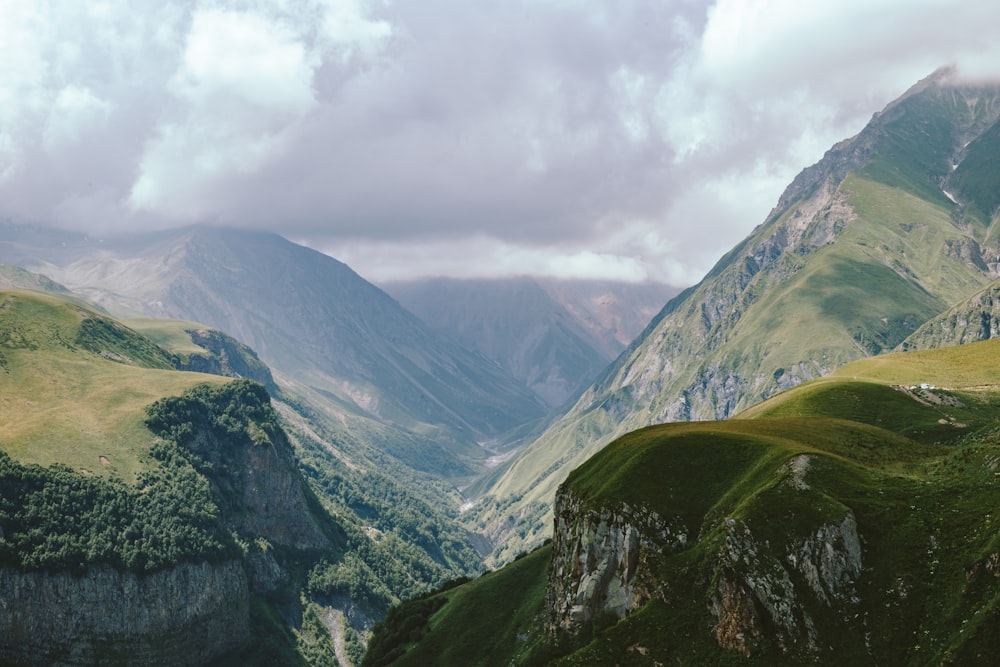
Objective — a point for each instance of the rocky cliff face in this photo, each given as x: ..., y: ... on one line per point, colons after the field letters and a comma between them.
x: 973, y: 320
x: 187, y: 615
x: 264, y: 494
x: 767, y: 595
x: 238, y: 445
x: 604, y: 560
x: 761, y: 595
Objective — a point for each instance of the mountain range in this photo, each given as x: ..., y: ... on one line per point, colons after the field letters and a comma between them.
x: 555, y: 336
x: 753, y: 472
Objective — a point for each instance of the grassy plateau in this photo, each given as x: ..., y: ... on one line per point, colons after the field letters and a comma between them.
x: 75, y: 393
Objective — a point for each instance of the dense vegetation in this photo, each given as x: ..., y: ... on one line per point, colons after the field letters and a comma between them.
x: 397, y: 545
x: 58, y: 519
x: 235, y: 410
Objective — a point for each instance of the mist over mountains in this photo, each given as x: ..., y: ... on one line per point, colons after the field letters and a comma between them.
x: 553, y: 335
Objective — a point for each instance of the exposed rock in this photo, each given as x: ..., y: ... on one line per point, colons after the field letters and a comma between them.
x: 973, y: 320
x: 756, y: 599
x: 226, y: 356
x: 603, y: 561
x: 187, y: 615
x: 260, y: 491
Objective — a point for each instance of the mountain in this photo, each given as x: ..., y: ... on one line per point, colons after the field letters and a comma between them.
x: 845, y: 521
x: 308, y: 316
x: 556, y: 336
x: 79, y: 394
x: 147, y: 515
x: 14, y: 277
x: 887, y: 231
x: 400, y: 536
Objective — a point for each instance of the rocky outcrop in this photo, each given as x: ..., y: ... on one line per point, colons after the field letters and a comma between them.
x: 779, y: 594
x: 226, y: 356
x: 604, y: 561
x: 976, y: 319
x: 763, y: 596
x: 186, y: 615
x: 239, y: 446
x: 262, y: 492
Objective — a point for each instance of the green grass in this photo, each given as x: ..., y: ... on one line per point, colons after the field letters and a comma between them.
x: 170, y: 334
x: 493, y: 620
x: 968, y: 366
x: 61, y: 403
x: 907, y: 413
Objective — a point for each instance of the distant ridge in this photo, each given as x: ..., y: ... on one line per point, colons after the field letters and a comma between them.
x: 308, y: 316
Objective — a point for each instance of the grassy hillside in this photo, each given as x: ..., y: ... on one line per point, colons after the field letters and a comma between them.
x: 915, y: 467
x: 493, y: 620
x: 75, y: 393
x: 74, y: 385
x: 170, y: 334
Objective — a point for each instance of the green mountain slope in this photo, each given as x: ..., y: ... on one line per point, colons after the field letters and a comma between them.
x: 845, y: 521
x: 147, y: 515
x: 78, y: 382
x: 398, y: 542
x: 110, y: 457
x: 862, y: 249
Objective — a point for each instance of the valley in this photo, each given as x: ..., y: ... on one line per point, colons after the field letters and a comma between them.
x: 265, y: 458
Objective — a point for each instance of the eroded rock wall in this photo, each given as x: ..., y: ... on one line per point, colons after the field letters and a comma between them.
x: 186, y: 615
x: 604, y: 560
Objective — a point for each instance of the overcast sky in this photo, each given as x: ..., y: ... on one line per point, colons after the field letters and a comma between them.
x: 627, y: 140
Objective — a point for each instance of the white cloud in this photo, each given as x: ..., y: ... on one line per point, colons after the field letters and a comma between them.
x: 241, y: 83
x: 246, y: 59
x: 350, y: 31
x: 624, y: 139
x: 482, y: 256
x: 75, y: 111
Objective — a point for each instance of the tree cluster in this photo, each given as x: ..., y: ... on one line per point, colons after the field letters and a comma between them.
x: 58, y: 519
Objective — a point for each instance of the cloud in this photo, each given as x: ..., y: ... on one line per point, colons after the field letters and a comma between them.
x: 597, y: 138
x: 242, y: 81
x: 74, y: 112
x: 483, y: 257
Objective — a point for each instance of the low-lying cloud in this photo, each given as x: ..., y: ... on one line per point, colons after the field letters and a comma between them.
x: 627, y: 140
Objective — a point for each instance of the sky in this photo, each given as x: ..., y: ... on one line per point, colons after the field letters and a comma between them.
x: 469, y: 138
